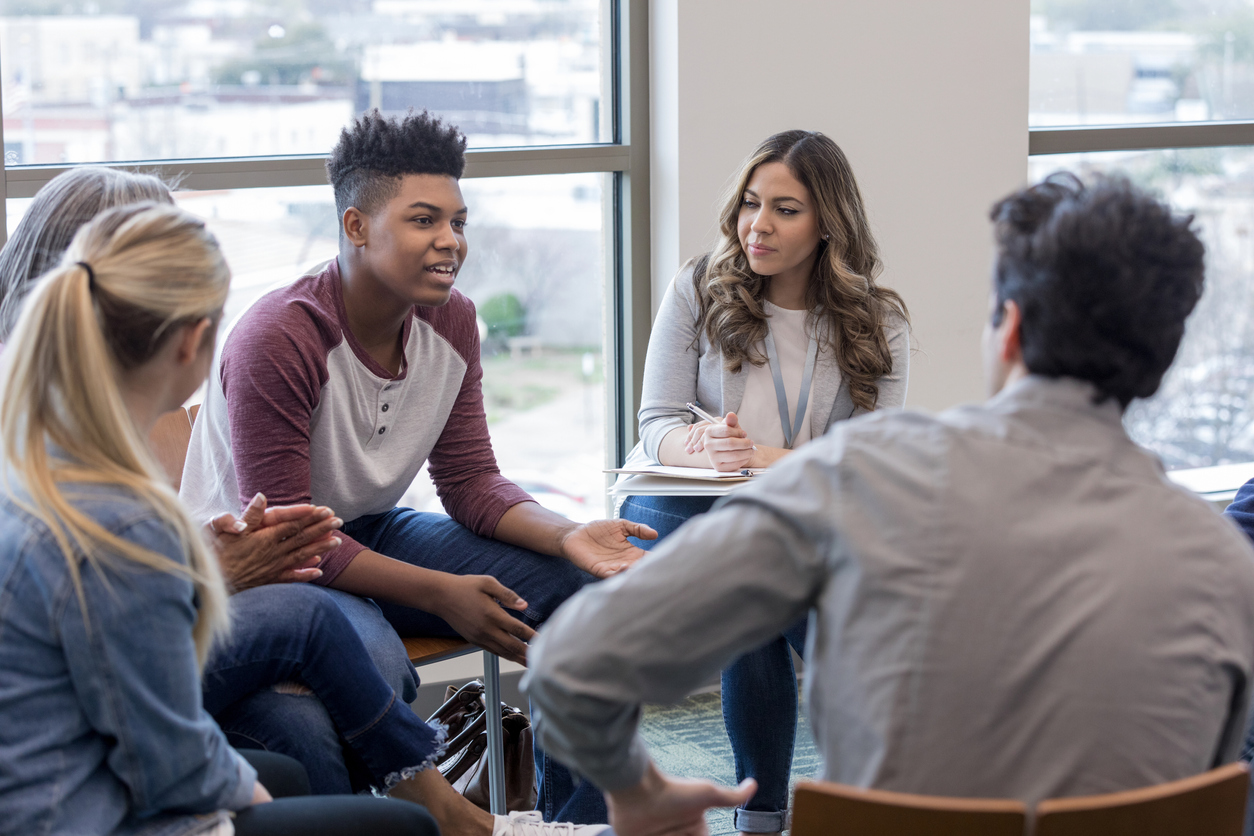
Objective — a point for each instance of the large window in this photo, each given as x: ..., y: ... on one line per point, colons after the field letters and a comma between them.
x: 1160, y: 91
x: 142, y: 80
x: 1111, y: 62
x: 1203, y: 414
x: 237, y: 101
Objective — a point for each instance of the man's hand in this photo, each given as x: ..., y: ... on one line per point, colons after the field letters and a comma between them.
x: 600, y: 547
x: 275, y: 545
x: 663, y: 806
x: 471, y: 604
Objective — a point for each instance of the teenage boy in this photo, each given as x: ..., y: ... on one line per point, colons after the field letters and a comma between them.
x: 337, y: 388
x: 1008, y: 600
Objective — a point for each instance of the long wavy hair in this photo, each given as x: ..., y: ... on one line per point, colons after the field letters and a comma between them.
x: 156, y: 269
x: 848, y: 310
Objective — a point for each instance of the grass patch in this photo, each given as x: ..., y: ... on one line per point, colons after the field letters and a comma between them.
x: 517, y: 384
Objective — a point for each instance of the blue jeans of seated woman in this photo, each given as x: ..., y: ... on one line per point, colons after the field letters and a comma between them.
x: 1247, y: 755
x: 435, y: 541
x: 298, y: 725
x: 759, y: 689
x: 297, y: 632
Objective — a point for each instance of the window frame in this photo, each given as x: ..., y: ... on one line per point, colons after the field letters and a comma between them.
x: 1048, y: 141
x: 1140, y: 137
x: 625, y: 38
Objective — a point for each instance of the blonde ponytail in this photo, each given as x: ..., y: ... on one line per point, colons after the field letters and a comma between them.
x: 127, y: 281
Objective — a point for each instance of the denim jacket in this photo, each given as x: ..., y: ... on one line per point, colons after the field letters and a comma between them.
x: 102, y: 730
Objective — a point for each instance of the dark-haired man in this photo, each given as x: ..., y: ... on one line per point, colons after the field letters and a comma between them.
x: 340, y: 386
x: 1007, y: 600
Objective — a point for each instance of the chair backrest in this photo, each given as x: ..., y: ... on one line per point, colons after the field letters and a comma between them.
x: 169, y: 439
x: 1212, y: 803
x: 827, y: 809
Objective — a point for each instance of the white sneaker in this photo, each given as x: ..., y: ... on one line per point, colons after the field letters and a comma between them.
x: 531, y: 823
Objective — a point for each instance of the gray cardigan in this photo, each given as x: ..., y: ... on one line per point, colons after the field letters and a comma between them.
x: 675, y: 373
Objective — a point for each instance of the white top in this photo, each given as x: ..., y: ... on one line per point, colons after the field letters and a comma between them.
x: 759, y: 410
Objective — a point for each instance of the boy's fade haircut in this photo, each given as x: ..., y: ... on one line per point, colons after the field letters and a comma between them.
x: 374, y: 152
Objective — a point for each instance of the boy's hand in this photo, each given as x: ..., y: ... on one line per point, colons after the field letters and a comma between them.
x: 471, y: 604
x: 275, y: 545
x: 663, y: 806
x: 600, y: 547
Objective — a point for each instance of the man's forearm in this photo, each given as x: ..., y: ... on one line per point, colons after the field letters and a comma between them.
x: 596, y: 737
x: 373, y: 575
x: 532, y: 526
x: 648, y: 635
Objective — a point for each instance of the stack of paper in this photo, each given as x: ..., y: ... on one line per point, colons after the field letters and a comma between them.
x: 688, y: 472
x: 663, y: 480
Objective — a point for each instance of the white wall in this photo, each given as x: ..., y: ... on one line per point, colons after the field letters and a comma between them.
x: 928, y: 99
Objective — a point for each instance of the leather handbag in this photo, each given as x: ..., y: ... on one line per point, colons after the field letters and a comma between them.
x: 464, y: 763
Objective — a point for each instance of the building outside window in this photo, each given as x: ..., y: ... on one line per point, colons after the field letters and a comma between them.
x: 238, y: 101
x: 1159, y: 91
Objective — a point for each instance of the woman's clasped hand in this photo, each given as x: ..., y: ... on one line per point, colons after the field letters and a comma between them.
x: 726, y: 444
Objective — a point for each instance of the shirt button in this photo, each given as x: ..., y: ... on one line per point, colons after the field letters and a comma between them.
x: 382, y: 430
x: 385, y: 407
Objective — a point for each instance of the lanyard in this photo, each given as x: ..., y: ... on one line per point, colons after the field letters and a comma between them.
x: 791, y: 429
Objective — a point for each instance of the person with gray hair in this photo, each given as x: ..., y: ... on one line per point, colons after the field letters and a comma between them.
x: 64, y: 204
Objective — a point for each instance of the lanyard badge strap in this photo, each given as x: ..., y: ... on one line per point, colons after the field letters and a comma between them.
x: 791, y: 428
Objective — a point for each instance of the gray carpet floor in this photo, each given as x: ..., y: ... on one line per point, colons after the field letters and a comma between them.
x: 689, y: 739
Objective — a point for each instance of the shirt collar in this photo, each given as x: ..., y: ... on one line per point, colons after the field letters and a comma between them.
x: 1066, y: 393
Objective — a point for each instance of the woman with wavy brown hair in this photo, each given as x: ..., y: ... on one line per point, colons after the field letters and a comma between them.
x: 782, y: 330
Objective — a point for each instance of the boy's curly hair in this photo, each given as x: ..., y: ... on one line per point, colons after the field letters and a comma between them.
x: 375, y: 151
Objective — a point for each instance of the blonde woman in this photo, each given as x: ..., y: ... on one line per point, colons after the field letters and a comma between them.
x: 780, y: 331
x: 109, y: 597
x: 278, y: 545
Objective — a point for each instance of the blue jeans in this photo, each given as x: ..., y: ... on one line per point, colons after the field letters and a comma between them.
x: 759, y: 689
x: 301, y: 633
x: 437, y: 542
x: 1247, y: 755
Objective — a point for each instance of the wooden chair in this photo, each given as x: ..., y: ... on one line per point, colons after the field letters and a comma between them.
x: 1212, y: 803
x: 168, y: 441
x: 821, y: 808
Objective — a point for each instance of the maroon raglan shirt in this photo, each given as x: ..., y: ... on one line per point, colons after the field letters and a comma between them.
x: 298, y: 410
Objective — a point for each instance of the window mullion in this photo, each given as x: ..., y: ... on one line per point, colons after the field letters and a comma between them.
x: 309, y: 170
x: 1042, y: 141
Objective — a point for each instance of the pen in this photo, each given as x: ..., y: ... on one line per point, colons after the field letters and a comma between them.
x: 702, y: 414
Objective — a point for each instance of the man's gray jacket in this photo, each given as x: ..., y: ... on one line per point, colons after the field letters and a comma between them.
x: 1007, y: 600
